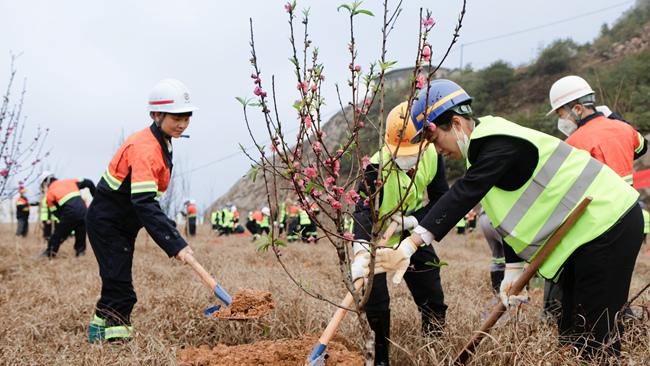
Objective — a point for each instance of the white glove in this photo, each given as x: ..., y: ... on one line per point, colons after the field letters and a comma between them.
x: 397, y: 260
x: 510, y: 276
x: 360, y: 266
x: 183, y: 252
x: 404, y: 223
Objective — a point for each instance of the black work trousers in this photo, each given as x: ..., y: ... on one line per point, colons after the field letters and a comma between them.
x: 23, y: 226
x: 423, y: 281
x: 191, y: 226
x: 113, y: 250
x: 595, y: 283
x: 62, y: 231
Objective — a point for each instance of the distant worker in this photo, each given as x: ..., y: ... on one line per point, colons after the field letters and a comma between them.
x: 460, y: 226
x: 47, y: 219
x: 64, y: 200
x: 227, y: 218
x: 470, y: 218
x: 214, y: 219
x: 293, y: 222
x: 308, y: 230
x: 126, y: 201
x: 22, y: 213
x: 253, y: 223
x: 265, y: 223
x: 190, y: 215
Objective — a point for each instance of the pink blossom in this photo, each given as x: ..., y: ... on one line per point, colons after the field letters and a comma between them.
x: 322, y: 134
x: 366, y: 202
x: 361, y: 124
x: 428, y: 22
x: 351, y: 197
x: 308, y: 122
x: 314, y: 87
x: 310, y: 172
x: 321, y: 77
x: 336, y: 167
x: 304, y: 86
x: 4, y: 173
x: 348, y: 236
x: 329, y: 181
x: 367, y: 102
x: 259, y: 92
x: 336, y: 205
x: 288, y: 7
x: 253, y: 76
x: 274, y: 148
x: 426, y: 53
x: 421, y: 81
x: 316, y: 146
x: 357, y: 68
x: 365, y: 161
x: 316, y: 193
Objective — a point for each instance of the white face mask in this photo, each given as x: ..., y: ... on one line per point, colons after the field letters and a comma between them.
x: 463, y: 143
x: 566, y: 126
x: 406, y: 163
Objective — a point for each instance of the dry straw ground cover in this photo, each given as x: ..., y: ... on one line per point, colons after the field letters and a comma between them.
x: 45, y: 306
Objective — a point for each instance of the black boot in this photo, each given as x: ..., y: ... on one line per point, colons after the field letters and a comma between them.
x: 380, y: 324
x: 496, y: 277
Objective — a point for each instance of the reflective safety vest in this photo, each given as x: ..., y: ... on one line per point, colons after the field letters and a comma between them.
x: 396, y: 183
x: 304, y: 218
x: 461, y: 223
x: 646, y: 221
x: 214, y: 216
x: 264, y: 222
x: 348, y: 224
x: 61, y: 191
x: 227, y: 218
x: 45, y: 212
x: 528, y: 216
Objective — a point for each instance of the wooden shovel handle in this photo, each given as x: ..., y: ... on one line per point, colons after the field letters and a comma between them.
x: 338, y: 316
x: 521, y: 282
x: 198, y: 268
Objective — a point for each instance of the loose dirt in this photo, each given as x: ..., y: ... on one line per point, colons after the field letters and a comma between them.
x: 269, y: 353
x: 247, y: 304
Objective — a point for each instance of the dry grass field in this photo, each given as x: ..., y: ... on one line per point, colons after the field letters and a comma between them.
x: 45, y: 306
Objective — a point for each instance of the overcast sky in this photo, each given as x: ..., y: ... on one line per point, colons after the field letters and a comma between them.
x: 90, y: 65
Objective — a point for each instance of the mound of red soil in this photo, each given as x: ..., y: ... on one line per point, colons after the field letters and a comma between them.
x: 247, y: 304
x: 269, y: 353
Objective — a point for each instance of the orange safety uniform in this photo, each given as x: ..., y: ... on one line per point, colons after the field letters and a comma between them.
x: 257, y: 216
x: 125, y: 202
x: 612, y: 142
x: 64, y: 200
x: 191, y: 210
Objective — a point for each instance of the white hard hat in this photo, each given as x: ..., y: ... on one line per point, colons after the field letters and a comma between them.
x: 266, y: 211
x: 170, y: 96
x: 233, y: 208
x: 45, y: 174
x: 192, y: 201
x: 604, y: 110
x: 566, y: 90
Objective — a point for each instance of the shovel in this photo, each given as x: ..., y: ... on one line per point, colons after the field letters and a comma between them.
x: 218, y: 291
x: 521, y: 282
x: 317, y: 355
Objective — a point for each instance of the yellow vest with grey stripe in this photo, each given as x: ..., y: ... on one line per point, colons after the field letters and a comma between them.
x: 528, y: 216
x: 396, y: 182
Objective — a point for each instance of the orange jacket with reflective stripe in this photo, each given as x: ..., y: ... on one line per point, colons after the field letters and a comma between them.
x: 257, y: 216
x: 61, y: 191
x: 609, y: 141
x: 142, y: 157
x: 191, y: 210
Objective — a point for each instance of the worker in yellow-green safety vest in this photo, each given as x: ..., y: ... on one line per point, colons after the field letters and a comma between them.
x: 401, y: 168
x: 265, y: 223
x: 228, y: 220
x: 308, y: 229
x: 214, y: 219
x: 48, y: 219
x: 528, y: 183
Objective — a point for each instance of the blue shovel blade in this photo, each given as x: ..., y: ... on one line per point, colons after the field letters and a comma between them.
x: 211, y: 310
x: 317, y: 356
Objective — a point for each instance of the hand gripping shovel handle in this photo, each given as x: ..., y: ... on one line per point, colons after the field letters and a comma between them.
x: 338, y: 316
x: 521, y: 282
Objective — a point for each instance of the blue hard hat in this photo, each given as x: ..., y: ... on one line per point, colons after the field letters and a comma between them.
x: 443, y: 95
